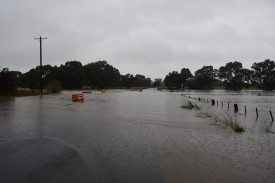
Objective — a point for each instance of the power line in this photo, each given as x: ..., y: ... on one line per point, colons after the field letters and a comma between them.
x: 41, y: 72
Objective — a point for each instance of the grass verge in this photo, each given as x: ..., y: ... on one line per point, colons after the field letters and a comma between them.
x: 21, y: 93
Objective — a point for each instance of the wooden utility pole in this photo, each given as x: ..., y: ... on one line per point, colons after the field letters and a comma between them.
x: 41, y: 72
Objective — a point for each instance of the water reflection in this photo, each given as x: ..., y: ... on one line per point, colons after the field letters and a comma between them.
x: 39, y: 116
x: 7, y: 109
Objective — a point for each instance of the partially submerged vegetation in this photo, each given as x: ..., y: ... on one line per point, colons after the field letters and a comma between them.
x: 238, y: 129
x: 191, y: 105
x: 227, y: 121
x: 21, y: 93
x: 223, y: 120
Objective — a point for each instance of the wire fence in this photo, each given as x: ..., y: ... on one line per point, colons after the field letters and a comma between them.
x: 248, y: 113
x: 234, y: 107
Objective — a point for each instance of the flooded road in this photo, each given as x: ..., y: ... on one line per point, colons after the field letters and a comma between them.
x: 131, y: 136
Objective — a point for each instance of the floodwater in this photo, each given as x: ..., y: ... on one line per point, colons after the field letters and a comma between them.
x: 131, y: 136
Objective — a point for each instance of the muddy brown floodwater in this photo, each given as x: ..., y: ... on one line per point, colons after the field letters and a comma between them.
x: 131, y: 136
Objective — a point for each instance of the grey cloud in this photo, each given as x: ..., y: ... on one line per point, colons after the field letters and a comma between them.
x: 148, y: 37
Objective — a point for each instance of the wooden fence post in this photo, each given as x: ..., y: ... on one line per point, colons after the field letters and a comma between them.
x: 271, y: 115
x: 235, y: 107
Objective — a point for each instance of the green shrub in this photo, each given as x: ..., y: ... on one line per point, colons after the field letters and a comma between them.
x: 239, y: 129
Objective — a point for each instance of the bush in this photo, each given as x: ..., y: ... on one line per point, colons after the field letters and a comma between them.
x: 239, y: 129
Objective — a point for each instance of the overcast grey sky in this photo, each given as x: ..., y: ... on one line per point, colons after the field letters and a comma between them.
x: 149, y: 37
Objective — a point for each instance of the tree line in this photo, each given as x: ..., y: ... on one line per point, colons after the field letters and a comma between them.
x: 232, y: 76
x: 72, y: 75
x: 100, y: 74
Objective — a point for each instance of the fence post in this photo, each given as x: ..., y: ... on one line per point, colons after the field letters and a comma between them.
x: 235, y: 107
x: 257, y: 112
x: 271, y: 115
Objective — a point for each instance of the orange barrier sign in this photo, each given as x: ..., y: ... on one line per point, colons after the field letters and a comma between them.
x: 140, y: 90
x: 78, y: 97
x: 103, y: 91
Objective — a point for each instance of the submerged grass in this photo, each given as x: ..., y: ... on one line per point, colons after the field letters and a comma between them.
x: 228, y: 121
x: 190, y: 105
x: 203, y: 115
x: 222, y: 120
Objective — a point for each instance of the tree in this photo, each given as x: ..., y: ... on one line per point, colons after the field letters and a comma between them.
x: 18, y: 78
x: 204, y: 78
x: 264, y: 74
x: 126, y: 80
x: 31, y: 79
x: 185, y: 75
x: 73, y: 66
x: 101, y: 74
x: 173, y: 80
x: 158, y: 82
x: 247, y: 77
x: 70, y: 75
x: 7, y: 81
x: 139, y: 80
x: 54, y: 86
x: 234, y: 75
x: 73, y: 75
x: 148, y: 82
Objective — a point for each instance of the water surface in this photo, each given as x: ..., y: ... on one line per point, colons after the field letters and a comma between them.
x: 131, y: 136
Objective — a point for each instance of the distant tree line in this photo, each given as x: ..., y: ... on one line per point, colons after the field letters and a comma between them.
x: 232, y: 76
x: 100, y: 74
x: 72, y: 75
